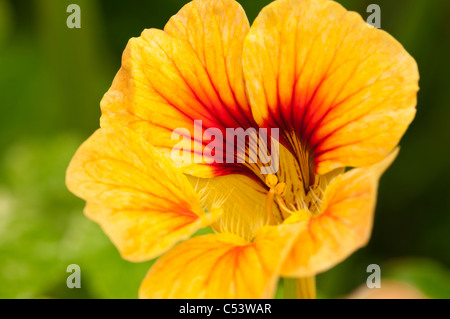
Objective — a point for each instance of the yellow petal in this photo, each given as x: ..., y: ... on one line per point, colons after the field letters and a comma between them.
x: 191, y: 71
x: 344, y: 225
x: 144, y: 204
x: 319, y: 72
x: 221, y: 266
x: 242, y: 201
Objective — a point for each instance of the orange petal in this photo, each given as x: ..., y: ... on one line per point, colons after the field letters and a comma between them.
x: 221, y: 266
x: 344, y: 225
x: 144, y: 204
x: 190, y: 71
x: 319, y: 72
x: 216, y: 30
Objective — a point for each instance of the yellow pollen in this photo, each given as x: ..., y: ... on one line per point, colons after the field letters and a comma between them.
x: 271, y: 181
x: 280, y: 189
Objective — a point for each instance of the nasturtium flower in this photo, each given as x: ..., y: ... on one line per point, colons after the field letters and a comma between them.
x: 342, y: 95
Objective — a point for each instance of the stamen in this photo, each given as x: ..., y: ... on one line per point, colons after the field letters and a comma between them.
x: 316, y: 200
x: 280, y: 189
x: 275, y: 190
x: 271, y: 181
x: 269, y: 202
x: 286, y: 212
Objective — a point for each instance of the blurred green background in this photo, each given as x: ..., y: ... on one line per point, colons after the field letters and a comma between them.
x: 51, y: 81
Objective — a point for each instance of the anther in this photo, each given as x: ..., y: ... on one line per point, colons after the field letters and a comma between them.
x: 271, y: 181
x: 280, y: 189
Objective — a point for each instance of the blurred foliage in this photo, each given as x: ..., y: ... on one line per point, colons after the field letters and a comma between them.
x: 430, y: 277
x: 51, y: 81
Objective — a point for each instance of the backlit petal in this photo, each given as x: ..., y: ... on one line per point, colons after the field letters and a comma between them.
x: 144, y: 204
x: 221, y: 266
x: 344, y: 225
x: 345, y: 90
x: 216, y: 30
x: 242, y: 201
x: 191, y: 71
